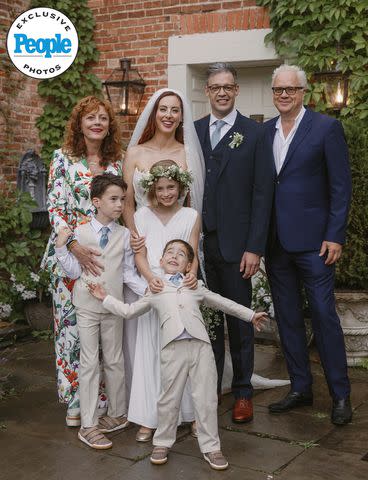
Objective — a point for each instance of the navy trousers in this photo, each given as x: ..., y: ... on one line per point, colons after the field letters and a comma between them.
x: 224, y: 278
x: 287, y: 272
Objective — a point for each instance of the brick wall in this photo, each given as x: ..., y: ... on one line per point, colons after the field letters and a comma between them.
x: 19, y: 102
x: 124, y: 28
x: 140, y: 30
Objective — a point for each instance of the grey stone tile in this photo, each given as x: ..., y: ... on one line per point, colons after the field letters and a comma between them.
x: 247, y: 451
x: 186, y: 467
x: 30, y: 458
x: 291, y: 426
x: 323, y: 464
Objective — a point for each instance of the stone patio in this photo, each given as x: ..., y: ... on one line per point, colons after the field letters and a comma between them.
x: 301, y: 445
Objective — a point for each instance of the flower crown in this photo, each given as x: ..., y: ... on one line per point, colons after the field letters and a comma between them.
x: 173, y: 172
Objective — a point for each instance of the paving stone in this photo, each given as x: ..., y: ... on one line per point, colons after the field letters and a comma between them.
x: 351, y: 438
x: 186, y: 467
x: 27, y: 459
x: 247, y: 451
x: 291, y: 426
x: 323, y: 464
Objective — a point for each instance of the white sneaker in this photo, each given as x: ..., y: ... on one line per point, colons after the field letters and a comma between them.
x: 73, y: 418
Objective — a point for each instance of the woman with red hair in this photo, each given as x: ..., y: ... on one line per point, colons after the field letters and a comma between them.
x: 165, y: 130
x: 92, y: 146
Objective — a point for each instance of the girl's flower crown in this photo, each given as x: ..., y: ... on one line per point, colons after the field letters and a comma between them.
x: 173, y: 172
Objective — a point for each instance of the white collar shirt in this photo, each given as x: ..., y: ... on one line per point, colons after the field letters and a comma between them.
x: 229, y: 123
x: 281, y: 144
x: 97, y: 227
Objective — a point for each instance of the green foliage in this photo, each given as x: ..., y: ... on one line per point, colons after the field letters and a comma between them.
x: 318, y: 34
x: 352, y: 269
x: 44, y: 335
x: 20, y: 252
x: 63, y: 92
x: 212, y: 319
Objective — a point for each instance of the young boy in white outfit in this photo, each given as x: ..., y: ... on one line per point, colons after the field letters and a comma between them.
x: 185, y: 350
x: 93, y: 319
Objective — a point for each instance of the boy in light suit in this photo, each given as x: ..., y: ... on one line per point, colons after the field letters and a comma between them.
x: 102, y: 234
x: 185, y: 350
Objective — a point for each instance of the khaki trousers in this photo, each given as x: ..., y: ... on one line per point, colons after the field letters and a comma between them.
x: 109, y: 327
x: 179, y: 360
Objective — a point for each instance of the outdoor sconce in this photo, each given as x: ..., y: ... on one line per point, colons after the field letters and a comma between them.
x: 125, y: 88
x: 336, y: 87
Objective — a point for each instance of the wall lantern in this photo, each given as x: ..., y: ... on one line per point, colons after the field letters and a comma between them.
x: 336, y: 87
x: 125, y: 88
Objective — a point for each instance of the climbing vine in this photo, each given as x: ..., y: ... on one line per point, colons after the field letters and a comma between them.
x: 62, y: 92
x: 322, y: 34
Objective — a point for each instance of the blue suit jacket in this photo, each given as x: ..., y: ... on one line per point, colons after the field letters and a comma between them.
x: 313, y: 187
x: 243, y: 187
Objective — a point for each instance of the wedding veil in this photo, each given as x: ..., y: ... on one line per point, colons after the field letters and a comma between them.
x: 192, y: 147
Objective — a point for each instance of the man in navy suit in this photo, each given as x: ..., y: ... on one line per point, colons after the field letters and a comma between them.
x: 311, y: 204
x: 236, y: 211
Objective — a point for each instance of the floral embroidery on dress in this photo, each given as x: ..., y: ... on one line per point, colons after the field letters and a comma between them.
x: 68, y: 204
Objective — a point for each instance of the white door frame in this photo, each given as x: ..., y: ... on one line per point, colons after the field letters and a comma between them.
x: 241, y: 48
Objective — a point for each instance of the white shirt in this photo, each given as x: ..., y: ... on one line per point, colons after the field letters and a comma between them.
x: 229, y: 119
x: 184, y: 334
x: 281, y: 144
x: 72, y: 267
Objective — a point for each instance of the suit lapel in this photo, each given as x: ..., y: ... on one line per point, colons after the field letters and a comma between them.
x: 204, y: 127
x: 304, y: 127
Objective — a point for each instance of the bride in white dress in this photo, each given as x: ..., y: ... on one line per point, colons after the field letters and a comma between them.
x: 164, y: 130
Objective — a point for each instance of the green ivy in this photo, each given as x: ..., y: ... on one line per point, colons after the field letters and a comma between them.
x: 63, y: 92
x: 316, y: 34
x: 352, y: 269
x: 21, y: 249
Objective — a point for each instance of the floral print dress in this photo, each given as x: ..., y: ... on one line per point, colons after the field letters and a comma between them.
x: 68, y: 204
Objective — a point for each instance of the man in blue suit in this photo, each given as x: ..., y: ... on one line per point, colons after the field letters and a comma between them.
x: 236, y: 211
x: 311, y: 204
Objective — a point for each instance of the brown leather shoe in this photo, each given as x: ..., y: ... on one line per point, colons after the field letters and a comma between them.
x: 243, y: 410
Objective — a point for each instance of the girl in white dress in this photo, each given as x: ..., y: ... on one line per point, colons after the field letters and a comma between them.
x: 164, y: 220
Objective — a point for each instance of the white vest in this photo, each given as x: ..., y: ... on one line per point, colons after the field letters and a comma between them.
x: 112, y: 276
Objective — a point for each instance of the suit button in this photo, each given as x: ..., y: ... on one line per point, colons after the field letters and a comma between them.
x: 277, y: 182
x: 211, y: 157
x: 208, y: 170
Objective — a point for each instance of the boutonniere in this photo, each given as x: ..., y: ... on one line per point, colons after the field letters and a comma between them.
x: 236, y: 140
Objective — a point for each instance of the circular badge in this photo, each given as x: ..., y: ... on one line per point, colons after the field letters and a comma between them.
x: 42, y: 43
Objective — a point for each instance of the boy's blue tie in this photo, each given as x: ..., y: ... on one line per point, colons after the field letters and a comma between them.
x: 104, y: 237
x: 176, y: 279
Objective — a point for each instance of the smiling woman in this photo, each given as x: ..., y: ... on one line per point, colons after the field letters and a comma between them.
x: 164, y: 130
x: 92, y: 146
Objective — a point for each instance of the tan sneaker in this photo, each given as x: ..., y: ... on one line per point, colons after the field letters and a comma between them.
x: 94, y: 438
x: 111, y: 424
x: 216, y: 460
x: 159, y: 455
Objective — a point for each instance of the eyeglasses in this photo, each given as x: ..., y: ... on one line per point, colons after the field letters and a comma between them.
x: 227, y: 88
x: 289, y: 90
